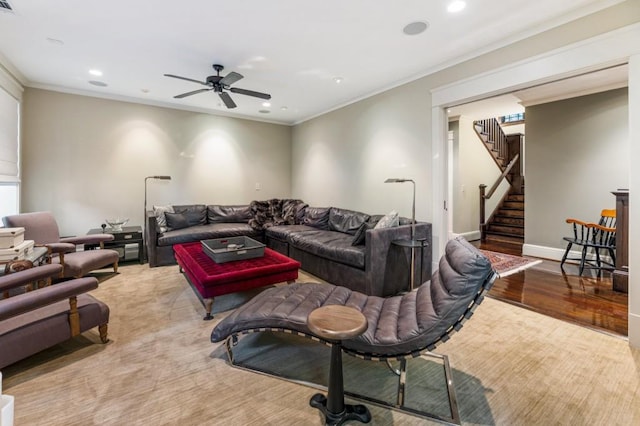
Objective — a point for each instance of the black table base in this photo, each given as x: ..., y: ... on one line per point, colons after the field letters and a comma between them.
x: 335, y: 411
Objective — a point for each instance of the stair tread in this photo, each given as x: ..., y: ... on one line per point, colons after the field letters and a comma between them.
x: 506, y: 225
x: 508, y: 238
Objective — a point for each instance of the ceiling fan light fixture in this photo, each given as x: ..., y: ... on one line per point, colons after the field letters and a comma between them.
x: 266, y: 104
x: 415, y: 28
x: 220, y: 85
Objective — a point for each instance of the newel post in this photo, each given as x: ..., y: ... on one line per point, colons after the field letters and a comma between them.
x: 482, y: 218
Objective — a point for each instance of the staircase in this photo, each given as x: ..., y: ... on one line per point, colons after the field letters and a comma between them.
x: 506, y: 223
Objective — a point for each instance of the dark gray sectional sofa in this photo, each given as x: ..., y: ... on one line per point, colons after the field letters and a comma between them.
x: 322, y: 239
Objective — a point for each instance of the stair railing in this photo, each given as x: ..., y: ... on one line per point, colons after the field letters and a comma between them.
x: 493, y: 131
x: 485, y: 196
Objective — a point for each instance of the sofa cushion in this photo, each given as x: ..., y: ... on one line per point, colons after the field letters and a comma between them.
x: 228, y: 214
x: 196, y: 214
x: 282, y: 232
x: 317, y: 217
x: 347, y: 221
x: 205, y: 232
x: 176, y: 221
x: 331, y: 245
x: 359, y: 237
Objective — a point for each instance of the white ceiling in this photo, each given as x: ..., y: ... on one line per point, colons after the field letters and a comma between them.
x: 291, y: 49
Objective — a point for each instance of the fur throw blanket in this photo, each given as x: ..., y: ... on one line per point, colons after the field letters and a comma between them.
x: 276, y: 212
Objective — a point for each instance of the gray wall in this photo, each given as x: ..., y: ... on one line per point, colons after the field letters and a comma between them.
x: 342, y: 157
x: 577, y: 153
x: 85, y: 158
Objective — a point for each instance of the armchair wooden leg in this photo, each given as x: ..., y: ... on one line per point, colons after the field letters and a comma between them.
x: 564, y: 258
x: 115, y: 267
x: 583, y: 260
x: 74, y: 317
x: 61, y: 256
x: 102, y: 328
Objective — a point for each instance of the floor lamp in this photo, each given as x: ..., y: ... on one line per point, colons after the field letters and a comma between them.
x: 413, y: 206
x: 412, y: 243
x: 144, y: 216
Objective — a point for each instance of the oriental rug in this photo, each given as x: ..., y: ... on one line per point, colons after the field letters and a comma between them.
x: 507, y: 264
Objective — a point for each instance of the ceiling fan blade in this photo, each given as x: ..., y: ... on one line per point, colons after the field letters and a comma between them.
x: 195, y: 92
x: 227, y: 100
x: 231, y: 78
x: 250, y: 93
x: 188, y: 79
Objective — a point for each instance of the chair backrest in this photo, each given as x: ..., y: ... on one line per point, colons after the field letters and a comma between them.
x: 608, y: 218
x: 605, y: 236
x: 463, y: 276
x: 40, y: 227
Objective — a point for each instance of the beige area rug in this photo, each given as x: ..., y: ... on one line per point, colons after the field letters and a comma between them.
x: 511, y: 367
x: 507, y: 264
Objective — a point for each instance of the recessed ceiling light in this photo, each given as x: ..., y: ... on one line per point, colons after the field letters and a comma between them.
x: 144, y: 90
x: 415, y: 28
x: 264, y: 111
x: 55, y: 41
x: 284, y: 108
x: 266, y: 104
x: 95, y: 72
x: 98, y: 83
x: 456, y: 6
x: 338, y: 80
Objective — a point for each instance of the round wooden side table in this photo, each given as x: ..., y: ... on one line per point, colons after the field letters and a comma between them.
x: 335, y: 323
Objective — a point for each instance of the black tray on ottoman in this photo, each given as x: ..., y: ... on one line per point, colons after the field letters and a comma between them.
x: 222, y: 250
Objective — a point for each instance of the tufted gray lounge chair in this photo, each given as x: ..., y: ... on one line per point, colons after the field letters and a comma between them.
x: 43, y: 229
x: 399, y: 327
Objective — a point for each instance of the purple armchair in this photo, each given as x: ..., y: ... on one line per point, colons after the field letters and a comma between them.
x: 43, y: 229
x: 39, y: 319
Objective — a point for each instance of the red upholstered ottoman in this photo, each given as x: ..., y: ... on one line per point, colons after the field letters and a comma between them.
x: 215, y: 279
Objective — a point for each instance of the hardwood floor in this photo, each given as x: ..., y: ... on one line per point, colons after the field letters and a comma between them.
x: 588, y: 300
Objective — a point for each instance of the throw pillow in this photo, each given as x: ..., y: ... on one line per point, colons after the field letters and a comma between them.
x: 317, y: 217
x: 359, y: 237
x: 388, y: 221
x: 161, y: 221
x: 176, y: 221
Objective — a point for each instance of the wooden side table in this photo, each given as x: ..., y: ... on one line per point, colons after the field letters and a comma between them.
x: 335, y: 323
x: 128, y: 235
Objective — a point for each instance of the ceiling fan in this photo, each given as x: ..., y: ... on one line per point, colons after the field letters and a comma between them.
x: 219, y: 84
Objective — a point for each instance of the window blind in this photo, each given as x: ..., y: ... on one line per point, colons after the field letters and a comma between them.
x: 9, y: 135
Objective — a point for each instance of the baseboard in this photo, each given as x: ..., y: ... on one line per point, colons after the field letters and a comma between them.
x: 544, y: 252
x: 553, y: 253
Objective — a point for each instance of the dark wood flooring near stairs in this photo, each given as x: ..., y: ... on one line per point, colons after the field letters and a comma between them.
x: 588, y: 300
